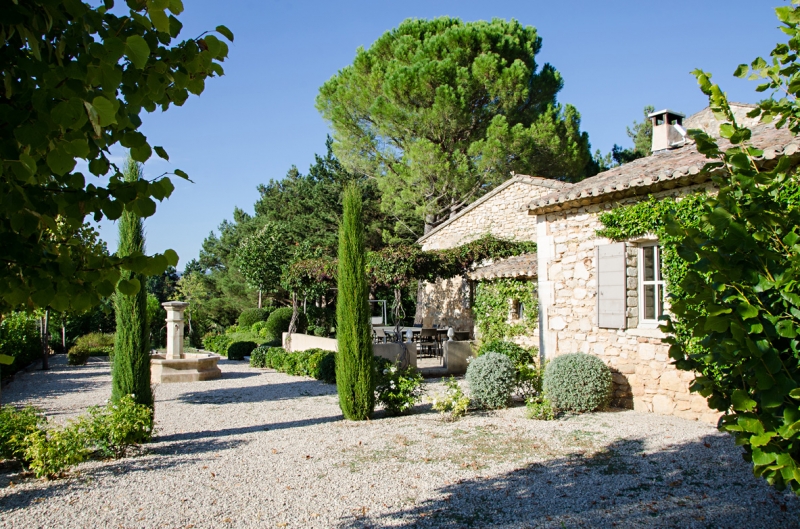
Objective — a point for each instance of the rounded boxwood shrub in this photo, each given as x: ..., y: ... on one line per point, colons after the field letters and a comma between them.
x: 278, y: 323
x: 258, y: 356
x: 491, y: 380
x: 238, y: 350
x: 250, y: 316
x: 577, y: 382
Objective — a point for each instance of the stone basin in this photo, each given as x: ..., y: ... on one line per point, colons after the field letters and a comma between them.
x: 190, y: 367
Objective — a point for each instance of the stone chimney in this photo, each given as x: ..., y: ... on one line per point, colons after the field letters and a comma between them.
x: 668, y: 131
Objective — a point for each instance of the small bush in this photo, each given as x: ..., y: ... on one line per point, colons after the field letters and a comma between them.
x: 528, y: 377
x: 275, y: 358
x: 15, y: 426
x: 216, y: 343
x: 453, y: 402
x: 50, y: 452
x: 113, y: 429
x: 540, y: 408
x: 258, y: 356
x: 278, y: 323
x: 491, y: 379
x: 327, y: 367
x: 92, y: 344
x: 238, y: 350
x: 397, y: 389
x: 108, y: 431
x: 577, y: 382
x: 250, y: 316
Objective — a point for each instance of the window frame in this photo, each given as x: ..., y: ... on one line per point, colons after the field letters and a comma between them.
x: 658, y: 282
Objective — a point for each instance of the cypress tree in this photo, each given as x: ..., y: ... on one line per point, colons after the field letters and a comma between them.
x: 130, y: 374
x: 354, y: 372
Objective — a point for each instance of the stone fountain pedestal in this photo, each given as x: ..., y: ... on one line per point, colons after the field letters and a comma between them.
x: 175, y: 365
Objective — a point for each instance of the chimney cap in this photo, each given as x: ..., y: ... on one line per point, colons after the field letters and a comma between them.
x: 665, y: 111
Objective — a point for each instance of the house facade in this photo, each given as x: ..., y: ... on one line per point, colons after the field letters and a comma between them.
x: 599, y: 296
x: 502, y: 213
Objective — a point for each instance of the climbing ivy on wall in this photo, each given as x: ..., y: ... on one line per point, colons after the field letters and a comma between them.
x: 650, y: 217
x: 493, y: 305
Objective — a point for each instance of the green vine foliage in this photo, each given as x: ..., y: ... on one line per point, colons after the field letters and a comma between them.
x: 493, y: 305
x: 651, y: 217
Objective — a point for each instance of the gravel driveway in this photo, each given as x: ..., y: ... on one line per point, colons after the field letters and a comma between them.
x: 258, y: 448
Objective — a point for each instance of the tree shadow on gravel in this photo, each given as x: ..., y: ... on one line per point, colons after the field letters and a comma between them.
x: 259, y: 393
x: 701, y: 484
x: 227, y: 432
x: 60, y: 380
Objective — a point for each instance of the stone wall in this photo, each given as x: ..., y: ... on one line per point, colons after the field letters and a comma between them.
x: 644, y: 379
x: 501, y: 213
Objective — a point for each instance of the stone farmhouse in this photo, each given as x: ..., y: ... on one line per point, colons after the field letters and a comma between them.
x: 596, y: 296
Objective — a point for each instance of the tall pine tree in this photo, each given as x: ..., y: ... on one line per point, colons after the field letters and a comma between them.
x: 354, y: 372
x: 130, y: 374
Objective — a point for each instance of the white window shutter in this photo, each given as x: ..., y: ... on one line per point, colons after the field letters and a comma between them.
x: 611, y: 286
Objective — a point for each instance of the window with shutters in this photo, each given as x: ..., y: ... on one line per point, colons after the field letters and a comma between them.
x: 651, y: 285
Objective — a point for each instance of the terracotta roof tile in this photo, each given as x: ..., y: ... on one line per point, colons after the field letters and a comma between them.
x: 519, y: 266
x: 662, y: 170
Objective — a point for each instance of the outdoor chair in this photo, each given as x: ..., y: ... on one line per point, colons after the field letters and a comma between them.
x: 379, y: 335
x: 429, y: 342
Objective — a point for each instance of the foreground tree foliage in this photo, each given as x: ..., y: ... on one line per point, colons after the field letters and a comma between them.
x: 441, y: 111
x: 742, y: 299
x: 354, y: 372
x: 75, y: 80
x: 130, y: 371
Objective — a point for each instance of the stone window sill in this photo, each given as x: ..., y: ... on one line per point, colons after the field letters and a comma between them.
x: 647, y: 332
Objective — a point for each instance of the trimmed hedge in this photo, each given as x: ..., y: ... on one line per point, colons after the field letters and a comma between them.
x: 92, y: 344
x: 314, y: 363
x: 491, y: 379
x: 278, y: 323
x: 250, y: 316
x: 238, y: 350
x: 577, y: 382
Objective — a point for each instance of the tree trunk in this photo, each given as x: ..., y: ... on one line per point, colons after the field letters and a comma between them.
x: 63, y: 336
x: 259, y: 298
x: 292, y: 323
x: 46, y: 341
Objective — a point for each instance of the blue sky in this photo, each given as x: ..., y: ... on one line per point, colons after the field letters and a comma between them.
x: 258, y: 120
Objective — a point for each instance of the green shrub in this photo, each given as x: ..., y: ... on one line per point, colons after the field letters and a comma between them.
x: 577, y: 382
x: 250, y: 316
x: 50, y: 452
x: 15, y: 426
x: 92, y: 344
x: 238, y: 350
x: 113, y: 429
x: 258, y: 328
x: 77, y: 356
x: 216, y: 343
x: 527, y: 377
x: 516, y: 353
x: 491, y: 379
x: 275, y: 358
x: 453, y: 401
x: 258, y: 356
x: 278, y: 323
x: 19, y: 338
x: 326, y: 367
x: 540, y: 408
x: 396, y: 388
x: 108, y: 431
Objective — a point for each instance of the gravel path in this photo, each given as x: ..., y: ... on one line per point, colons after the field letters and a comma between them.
x: 258, y: 448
